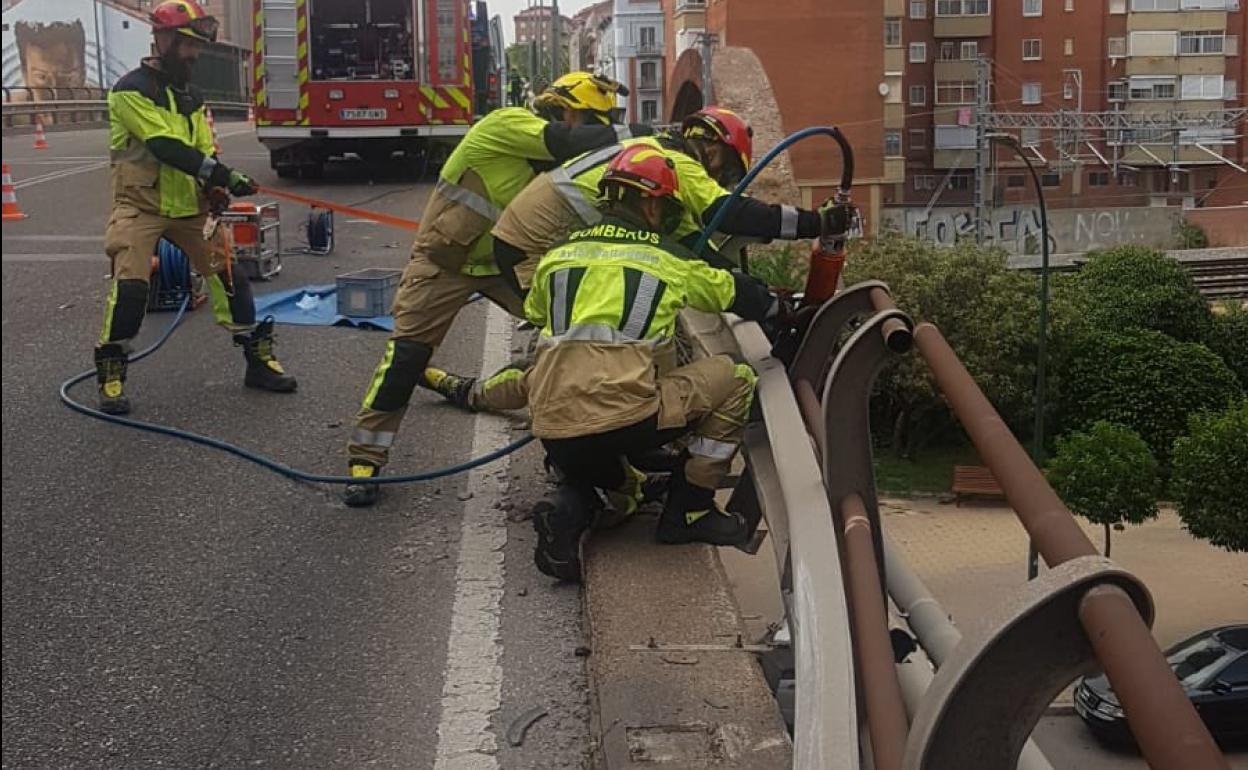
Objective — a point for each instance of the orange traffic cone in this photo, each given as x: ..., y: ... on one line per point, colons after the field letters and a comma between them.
x: 11, y: 211
x: 212, y: 129
x: 41, y: 140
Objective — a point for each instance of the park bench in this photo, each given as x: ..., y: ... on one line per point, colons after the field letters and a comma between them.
x: 974, y: 481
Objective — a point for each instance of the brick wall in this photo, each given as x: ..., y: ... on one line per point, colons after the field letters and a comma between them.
x: 1224, y: 226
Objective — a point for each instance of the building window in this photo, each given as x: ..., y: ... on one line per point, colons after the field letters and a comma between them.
x: 649, y: 111
x: 1031, y: 93
x: 1068, y: 89
x: 924, y: 182
x: 918, y: 139
x: 948, y: 50
x: 1029, y: 136
x: 1117, y: 47
x: 1068, y: 46
x: 647, y: 39
x: 1098, y: 179
x: 1146, y: 88
x: 1117, y: 6
x: 1033, y: 7
x: 1158, y: 5
x: 955, y: 92
x: 970, y: 50
x: 1128, y: 179
x: 892, y: 33
x: 918, y: 95
x: 1201, y: 42
x: 1202, y: 87
x: 961, y: 182
x: 1031, y: 49
x: 892, y: 142
x: 1117, y: 90
x: 918, y: 53
x: 1154, y: 43
x: 1208, y: 5
x: 1070, y: 6
x: 1050, y: 180
x: 918, y: 9
x: 961, y: 7
x: 1230, y: 45
x: 1230, y: 90
x: 1016, y: 180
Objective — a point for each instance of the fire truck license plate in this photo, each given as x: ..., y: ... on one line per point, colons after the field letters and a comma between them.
x: 362, y: 114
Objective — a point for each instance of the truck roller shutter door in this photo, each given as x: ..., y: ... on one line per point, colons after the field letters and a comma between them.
x: 281, y: 54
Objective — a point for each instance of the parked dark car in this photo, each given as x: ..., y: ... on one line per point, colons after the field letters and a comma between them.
x: 1213, y: 669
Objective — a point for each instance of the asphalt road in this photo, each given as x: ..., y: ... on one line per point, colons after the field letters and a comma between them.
x: 167, y: 605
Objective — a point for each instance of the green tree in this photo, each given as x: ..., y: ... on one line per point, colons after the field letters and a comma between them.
x: 1210, y: 477
x: 520, y: 56
x: 1144, y: 380
x: 987, y: 312
x: 1140, y: 287
x: 1229, y: 338
x: 1106, y: 475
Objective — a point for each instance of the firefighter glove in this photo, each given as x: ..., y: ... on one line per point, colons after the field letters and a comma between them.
x: 240, y: 184
x: 836, y: 220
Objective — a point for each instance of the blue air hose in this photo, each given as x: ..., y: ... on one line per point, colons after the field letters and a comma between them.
x: 437, y: 473
x: 847, y: 174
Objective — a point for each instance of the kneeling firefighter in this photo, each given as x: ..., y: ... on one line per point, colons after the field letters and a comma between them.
x: 711, y: 153
x: 452, y: 256
x: 164, y: 173
x: 605, y: 301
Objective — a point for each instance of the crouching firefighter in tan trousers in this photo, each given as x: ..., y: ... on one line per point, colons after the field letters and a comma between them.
x: 605, y: 301
x: 163, y: 173
x: 452, y: 256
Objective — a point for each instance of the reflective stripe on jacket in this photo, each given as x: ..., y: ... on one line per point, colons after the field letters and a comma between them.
x: 605, y: 301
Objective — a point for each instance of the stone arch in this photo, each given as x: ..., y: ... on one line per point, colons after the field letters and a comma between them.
x: 686, y: 91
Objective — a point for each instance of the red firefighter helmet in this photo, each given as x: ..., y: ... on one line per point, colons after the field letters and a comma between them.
x: 187, y: 17
x: 721, y: 125
x: 642, y: 167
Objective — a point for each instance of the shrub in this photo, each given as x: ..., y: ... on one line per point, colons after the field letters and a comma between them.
x: 1229, y: 338
x: 1139, y: 287
x: 1210, y: 481
x: 1188, y: 235
x: 1106, y: 475
x: 1146, y: 381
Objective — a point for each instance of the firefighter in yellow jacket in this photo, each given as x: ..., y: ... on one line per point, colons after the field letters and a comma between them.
x: 712, y: 152
x: 605, y: 301
x: 163, y: 174
x: 452, y: 256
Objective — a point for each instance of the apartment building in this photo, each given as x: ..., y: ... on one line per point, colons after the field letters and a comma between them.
x: 534, y: 24
x: 825, y: 63
x: 639, y: 57
x: 1119, y: 102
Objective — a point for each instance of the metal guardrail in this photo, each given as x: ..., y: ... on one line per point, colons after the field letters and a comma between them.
x: 992, y: 686
x: 24, y: 106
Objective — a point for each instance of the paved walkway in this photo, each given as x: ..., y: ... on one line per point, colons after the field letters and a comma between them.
x: 971, y: 553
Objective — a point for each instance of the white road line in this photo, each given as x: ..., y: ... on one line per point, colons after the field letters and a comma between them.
x: 52, y: 176
x: 92, y: 257
x: 473, y: 686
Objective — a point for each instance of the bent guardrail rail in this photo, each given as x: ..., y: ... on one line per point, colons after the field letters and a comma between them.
x: 810, y: 474
x: 25, y: 106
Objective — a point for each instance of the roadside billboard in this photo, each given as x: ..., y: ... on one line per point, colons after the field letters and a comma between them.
x: 58, y: 44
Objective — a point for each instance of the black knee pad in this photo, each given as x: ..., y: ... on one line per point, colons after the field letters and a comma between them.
x: 242, y: 303
x: 128, y: 310
x: 400, y: 378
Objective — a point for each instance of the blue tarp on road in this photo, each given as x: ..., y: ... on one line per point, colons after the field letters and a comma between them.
x: 314, y: 306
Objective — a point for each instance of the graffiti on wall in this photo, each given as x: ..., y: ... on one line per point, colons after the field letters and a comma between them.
x: 1017, y: 228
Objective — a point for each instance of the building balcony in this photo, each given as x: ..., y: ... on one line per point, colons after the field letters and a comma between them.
x: 685, y: 6
x: 962, y: 26
x: 646, y: 50
x: 954, y: 69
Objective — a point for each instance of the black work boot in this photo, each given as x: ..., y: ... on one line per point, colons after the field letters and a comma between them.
x: 110, y: 376
x: 452, y: 387
x: 362, y: 494
x: 560, y: 525
x: 691, y: 516
x: 263, y: 370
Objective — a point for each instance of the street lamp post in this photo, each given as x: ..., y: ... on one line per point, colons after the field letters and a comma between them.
x: 1037, y: 447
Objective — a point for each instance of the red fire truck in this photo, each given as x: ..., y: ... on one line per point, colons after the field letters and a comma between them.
x: 375, y: 78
